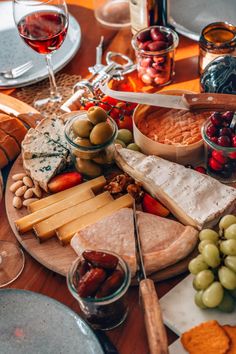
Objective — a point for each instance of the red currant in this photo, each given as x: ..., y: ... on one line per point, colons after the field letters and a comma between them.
x: 200, y: 169
x: 211, y: 130
x: 224, y: 140
x: 232, y: 155
x: 214, y: 139
x: 215, y: 165
x: 216, y: 119
x: 219, y: 156
x: 234, y: 141
x: 225, y: 131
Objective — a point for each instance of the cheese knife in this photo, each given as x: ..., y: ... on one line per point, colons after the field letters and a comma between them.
x: 156, y: 334
x: 188, y: 101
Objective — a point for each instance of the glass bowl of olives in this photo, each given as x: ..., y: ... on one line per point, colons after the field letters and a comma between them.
x: 91, y: 135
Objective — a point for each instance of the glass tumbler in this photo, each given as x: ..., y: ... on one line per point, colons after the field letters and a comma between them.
x: 112, y: 13
x: 102, y: 313
x: 155, y: 58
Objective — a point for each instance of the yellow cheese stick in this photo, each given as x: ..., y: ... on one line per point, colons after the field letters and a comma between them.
x: 46, y: 228
x: 66, y: 232
x: 27, y: 222
x: 94, y: 184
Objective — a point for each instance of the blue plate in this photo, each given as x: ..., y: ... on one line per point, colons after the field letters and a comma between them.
x: 31, y: 323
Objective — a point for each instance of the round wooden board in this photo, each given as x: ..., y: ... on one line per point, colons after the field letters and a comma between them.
x: 51, y: 253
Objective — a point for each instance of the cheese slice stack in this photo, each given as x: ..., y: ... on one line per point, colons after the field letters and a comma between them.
x: 194, y: 198
x: 163, y: 241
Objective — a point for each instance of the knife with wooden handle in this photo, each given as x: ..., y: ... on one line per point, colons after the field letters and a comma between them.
x: 156, y: 333
x: 194, y: 101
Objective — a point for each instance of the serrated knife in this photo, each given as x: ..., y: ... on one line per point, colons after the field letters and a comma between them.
x: 188, y: 101
x: 156, y: 333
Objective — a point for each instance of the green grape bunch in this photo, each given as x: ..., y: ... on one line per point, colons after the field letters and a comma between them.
x: 214, y: 269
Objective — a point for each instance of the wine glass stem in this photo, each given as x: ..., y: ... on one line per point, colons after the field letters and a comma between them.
x: 54, y: 93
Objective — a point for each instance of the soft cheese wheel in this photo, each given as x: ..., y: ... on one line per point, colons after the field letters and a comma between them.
x: 13, y: 126
x: 9, y: 145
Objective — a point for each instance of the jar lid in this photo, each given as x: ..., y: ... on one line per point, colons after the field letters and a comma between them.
x: 218, y: 34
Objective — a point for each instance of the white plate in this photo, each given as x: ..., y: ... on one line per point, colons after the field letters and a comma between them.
x: 13, y: 51
x: 189, y: 17
x: 177, y: 348
x: 180, y: 312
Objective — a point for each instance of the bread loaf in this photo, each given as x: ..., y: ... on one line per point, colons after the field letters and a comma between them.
x: 13, y: 127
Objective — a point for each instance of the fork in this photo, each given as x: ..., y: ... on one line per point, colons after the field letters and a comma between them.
x: 17, y: 71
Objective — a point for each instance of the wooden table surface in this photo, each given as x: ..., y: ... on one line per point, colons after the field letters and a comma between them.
x: 129, y: 338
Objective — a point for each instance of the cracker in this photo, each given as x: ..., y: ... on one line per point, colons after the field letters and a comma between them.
x: 231, y: 332
x: 207, y: 338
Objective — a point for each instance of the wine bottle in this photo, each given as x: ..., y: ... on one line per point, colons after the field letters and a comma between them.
x: 145, y: 13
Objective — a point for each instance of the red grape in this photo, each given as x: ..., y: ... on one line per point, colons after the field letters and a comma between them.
x: 215, y: 165
x: 224, y: 140
x: 211, y: 130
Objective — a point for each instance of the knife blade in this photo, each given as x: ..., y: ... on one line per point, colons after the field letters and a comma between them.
x: 193, y: 101
x: 156, y: 333
x: 8, y: 110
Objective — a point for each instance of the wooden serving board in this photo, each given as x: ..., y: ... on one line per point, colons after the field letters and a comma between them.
x: 51, y: 253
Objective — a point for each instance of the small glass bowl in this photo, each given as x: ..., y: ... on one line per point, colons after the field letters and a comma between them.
x: 220, y: 160
x: 90, y: 160
x: 107, y: 312
x: 156, y: 67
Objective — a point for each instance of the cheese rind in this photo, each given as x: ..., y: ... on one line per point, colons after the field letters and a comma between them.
x: 94, y: 184
x: 194, y: 198
x: 66, y: 232
x: 27, y: 222
x: 46, y: 228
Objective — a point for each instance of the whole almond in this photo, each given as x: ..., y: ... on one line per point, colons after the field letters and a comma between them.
x: 28, y: 181
x: 29, y: 201
x: 20, y: 191
x: 17, y: 202
x: 29, y: 193
x: 18, y: 176
x: 37, y: 191
x: 16, y: 186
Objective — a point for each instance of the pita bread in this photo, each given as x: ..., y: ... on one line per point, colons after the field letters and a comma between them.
x: 163, y: 241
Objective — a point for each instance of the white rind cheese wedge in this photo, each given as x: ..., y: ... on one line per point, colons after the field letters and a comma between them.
x: 36, y: 144
x: 42, y: 169
x: 194, y: 198
x: 113, y: 233
x: 163, y: 242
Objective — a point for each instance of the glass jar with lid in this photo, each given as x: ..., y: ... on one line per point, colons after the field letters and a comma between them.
x: 217, y: 39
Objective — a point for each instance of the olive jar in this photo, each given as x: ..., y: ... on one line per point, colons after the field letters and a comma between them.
x: 90, y: 159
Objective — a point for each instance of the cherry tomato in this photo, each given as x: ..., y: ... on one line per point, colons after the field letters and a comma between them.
x: 111, y: 101
x: 125, y: 123
x: 130, y: 107
x: 115, y: 113
x: 105, y: 106
x: 88, y: 105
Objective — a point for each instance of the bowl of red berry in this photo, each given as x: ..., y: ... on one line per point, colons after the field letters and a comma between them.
x: 219, y: 137
x: 155, y: 50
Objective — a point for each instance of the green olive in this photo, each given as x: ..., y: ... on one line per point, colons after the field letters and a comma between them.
x: 82, y: 128
x: 125, y: 135
x: 117, y: 141
x: 134, y: 147
x: 82, y: 142
x: 101, y: 133
x: 97, y: 115
x: 88, y: 168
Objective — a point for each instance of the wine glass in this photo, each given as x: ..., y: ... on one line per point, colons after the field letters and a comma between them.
x: 12, y: 259
x: 43, y: 24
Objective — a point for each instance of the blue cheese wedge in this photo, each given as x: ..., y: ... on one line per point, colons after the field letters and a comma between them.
x: 53, y: 128
x: 36, y: 144
x: 194, y: 198
x: 42, y: 169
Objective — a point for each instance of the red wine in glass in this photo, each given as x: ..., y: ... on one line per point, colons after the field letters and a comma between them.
x: 43, y: 31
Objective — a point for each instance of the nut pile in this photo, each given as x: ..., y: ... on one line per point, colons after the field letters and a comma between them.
x: 25, y: 190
